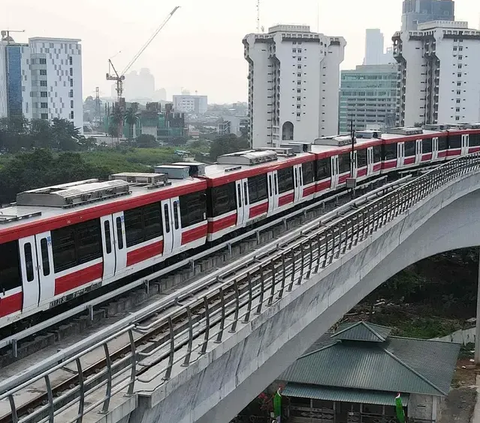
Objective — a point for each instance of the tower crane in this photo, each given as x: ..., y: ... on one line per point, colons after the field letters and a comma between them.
x: 6, y: 34
x: 120, y: 77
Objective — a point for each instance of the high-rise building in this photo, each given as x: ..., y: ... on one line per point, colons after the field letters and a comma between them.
x: 368, y: 97
x: 294, y: 78
x: 438, y: 73
x: 186, y: 103
x: 139, y: 86
x: 374, y: 44
x: 43, y: 79
x: 419, y: 11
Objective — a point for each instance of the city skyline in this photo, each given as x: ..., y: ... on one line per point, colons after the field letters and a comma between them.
x: 176, y: 57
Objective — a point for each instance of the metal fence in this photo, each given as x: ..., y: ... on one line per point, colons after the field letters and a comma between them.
x: 161, y: 347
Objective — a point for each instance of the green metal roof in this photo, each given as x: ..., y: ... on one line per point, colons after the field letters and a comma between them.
x: 396, y: 365
x: 328, y: 393
x: 362, y: 331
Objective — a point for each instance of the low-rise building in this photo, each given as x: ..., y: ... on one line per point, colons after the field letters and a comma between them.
x: 355, y: 375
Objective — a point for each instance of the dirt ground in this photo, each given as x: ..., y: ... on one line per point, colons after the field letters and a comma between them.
x: 460, y: 402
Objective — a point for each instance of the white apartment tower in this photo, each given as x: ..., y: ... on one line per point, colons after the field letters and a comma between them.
x: 43, y: 79
x: 439, y: 75
x: 294, y: 79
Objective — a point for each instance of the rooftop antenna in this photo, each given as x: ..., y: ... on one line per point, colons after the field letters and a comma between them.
x: 258, y: 15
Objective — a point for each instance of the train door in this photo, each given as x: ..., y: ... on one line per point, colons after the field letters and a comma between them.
x: 172, y: 225
x: 353, y: 164
x: 335, y: 172
x: 120, y: 242
x: 272, y: 186
x: 418, y: 151
x: 46, y: 274
x: 435, y: 148
x: 400, y: 154
x: 465, y: 143
x: 109, y: 261
x: 298, y: 183
x: 29, y: 269
x: 370, y: 161
x: 241, y: 190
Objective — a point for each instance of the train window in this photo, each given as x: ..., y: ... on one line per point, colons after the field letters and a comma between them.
x: 152, y: 221
x: 118, y: 221
x: 63, y: 242
x: 88, y: 241
x: 222, y: 200
x: 167, y: 218
x: 390, y: 151
x: 45, y: 258
x: 108, y: 237
x: 426, y: 145
x: 324, y: 168
x: 410, y: 148
x: 362, y: 158
x: 308, y: 173
x: 27, y: 248
x: 377, y: 153
x: 192, y: 208
x: 134, y: 226
x: 275, y: 183
x: 442, y: 144
x: 257, y: 188
x: 344, y: 163
x: 175, y: 215
x: 474, y: 140
x: 9, y: 266
x: 285, y: 180
x: 455, y: 141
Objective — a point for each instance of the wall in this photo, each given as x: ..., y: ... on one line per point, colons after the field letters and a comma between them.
x: 420, y: 407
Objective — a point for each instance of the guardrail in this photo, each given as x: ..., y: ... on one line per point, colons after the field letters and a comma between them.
x: 160, y: 345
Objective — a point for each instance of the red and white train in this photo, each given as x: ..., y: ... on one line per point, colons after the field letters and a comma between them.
x: 62, y: 241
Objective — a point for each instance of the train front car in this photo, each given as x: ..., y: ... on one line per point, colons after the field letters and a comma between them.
x: 248, y: 186
x: 59, y: 242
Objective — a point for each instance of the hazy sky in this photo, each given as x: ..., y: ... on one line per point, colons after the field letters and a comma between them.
x: 201, y: 48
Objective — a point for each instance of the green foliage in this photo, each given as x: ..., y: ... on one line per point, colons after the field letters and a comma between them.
x: 131, y: 118
x: 227, y: 144
x: 146, y: 141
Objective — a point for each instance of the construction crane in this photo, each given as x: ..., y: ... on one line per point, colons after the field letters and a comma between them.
x: 120, y: 77
x: 6, y: 34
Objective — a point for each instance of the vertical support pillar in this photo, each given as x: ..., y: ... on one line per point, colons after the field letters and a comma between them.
x: 477, y: 323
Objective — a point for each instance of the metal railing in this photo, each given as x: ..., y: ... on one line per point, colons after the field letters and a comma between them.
x: 156, y: 349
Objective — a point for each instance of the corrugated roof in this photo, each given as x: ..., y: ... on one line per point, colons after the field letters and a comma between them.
x: 362, y: 331
x: 328, y: 393
x: 397, y: 365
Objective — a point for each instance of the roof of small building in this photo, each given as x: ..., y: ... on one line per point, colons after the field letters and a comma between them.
x: 355, y: 357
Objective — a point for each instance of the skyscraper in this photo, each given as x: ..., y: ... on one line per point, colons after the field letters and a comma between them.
x: 293, y: 78
x: 42, y: 79
x: 419, y: 11
x: 374, y: 44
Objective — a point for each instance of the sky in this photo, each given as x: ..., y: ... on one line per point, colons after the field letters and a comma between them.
x: 201, y: 48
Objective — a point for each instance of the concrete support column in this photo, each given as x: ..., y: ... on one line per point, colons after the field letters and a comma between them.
x: 477, y: 323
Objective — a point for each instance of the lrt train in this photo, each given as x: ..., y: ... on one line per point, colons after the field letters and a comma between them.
x: 59, y: 242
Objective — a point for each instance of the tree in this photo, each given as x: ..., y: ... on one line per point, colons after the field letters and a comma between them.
x: 65, y: 135
x: 146, y: 141
x: 131, y: 118
x: 227, y: 144
x: 41, y: 132
x: 116, y: 120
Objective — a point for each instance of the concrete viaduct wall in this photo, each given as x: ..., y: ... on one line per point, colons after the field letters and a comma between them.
x: 220, y: 384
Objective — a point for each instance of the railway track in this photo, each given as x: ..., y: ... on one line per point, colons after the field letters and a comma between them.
x: 16, y: 340
x: 214, y: 305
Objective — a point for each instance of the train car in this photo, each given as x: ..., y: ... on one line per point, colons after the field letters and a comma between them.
x: 62, y: 241
x: 247, y: 186
x: 463, y: 141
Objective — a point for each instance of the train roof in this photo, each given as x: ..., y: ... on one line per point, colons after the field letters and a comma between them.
x: 66, y: 204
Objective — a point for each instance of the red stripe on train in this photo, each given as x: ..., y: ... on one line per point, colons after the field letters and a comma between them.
x: 144, y: 253
x: 286, y: 199
x: 426, y: 157
x: 191, y: 235
x: 389, y: 165
x: 377, y: 167
x: 257, y: 210
x: 309, y: 191
x: 455, y: 152
x: 220, y: 224
x: 343, y: 178
x: 409, y: 160
x: 76, y: 279
x: 323, y: 185
x: 361, y: 172
x: 11, y: 304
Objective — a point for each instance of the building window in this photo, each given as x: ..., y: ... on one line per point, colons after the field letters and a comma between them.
x: 71, y: 71
x: 71, y: 82
x: 71, y: 104
x: 43, y: 83
x: 72, y: 116
x: 70, y: 94
x: 70, y: 60
x: 43, y: 61
x: 44, y: 94
x: 44, y: 105
x: 43, y: 72
x: 44, y: 116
